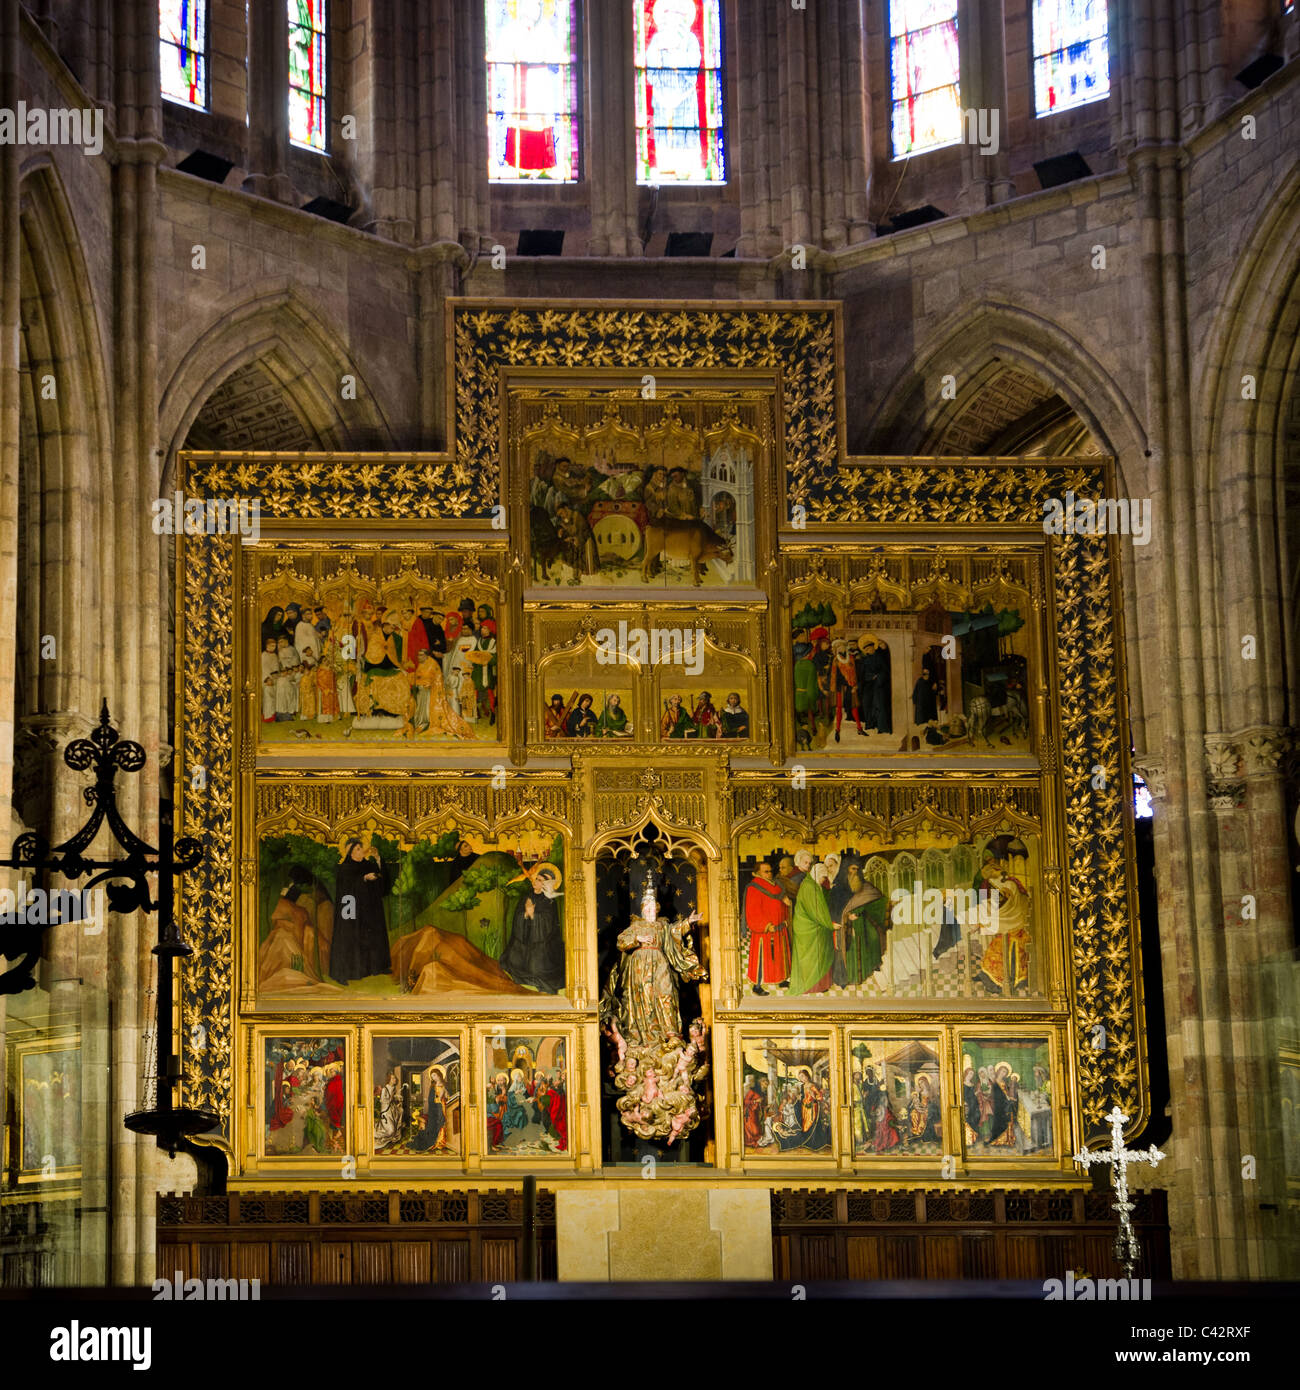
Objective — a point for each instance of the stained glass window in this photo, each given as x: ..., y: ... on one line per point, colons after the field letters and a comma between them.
x: 307, y: 86
x: 183, y: 50
x: 532, y: 76
x: 678, y: 91
x: 924, y: 75
x: 1071, y: 54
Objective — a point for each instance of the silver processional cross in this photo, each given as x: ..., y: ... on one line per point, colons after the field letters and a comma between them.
x: 1126, y: 1246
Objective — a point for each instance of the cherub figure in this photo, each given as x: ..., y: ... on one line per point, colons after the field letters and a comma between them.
x: 680, y: 1120
x: 620, y: 1042
x: 693, y: 1049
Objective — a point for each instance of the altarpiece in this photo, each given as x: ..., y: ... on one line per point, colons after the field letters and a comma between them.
x: 862, y: 717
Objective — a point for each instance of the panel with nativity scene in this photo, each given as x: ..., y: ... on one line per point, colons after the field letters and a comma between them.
x: 933, y: 652
x: 637, y: 675
x: 358, y: 645
x: 398, y: 895
x: 884, y: 892
x: 787, y: 1086
x: 662, y: 493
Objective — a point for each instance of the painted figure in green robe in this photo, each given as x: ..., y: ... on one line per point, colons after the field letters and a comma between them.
x: 806, y: 691
x: 812, y: 932
x: 676, y: 722
x: 866, y: 915
x: 613, y: 719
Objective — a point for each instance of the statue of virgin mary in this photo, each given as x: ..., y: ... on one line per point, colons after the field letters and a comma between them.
x: 655, y: 1067
x: 655, y: 953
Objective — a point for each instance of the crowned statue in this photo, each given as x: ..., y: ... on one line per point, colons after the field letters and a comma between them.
x: 656, y: 1068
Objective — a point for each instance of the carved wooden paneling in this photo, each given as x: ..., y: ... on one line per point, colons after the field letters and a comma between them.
x: 352, y: 1238
x: 958, y: 1235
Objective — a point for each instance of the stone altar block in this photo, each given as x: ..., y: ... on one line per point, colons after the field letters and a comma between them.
x: 651, y: 1229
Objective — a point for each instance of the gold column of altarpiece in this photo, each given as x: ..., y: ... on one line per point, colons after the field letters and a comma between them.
x: 750, y: 398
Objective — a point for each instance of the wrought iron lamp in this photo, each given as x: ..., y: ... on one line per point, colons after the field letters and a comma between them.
x: 126, y: 887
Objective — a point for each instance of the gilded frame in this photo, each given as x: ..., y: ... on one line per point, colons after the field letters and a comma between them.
x: 864, y: 804
x: 984, y: 1164
x: 959, y: 570
x: 407, y: 806
x: 448, y: 566
x: 255, y: 1141
x: 666, y: 390
x: 884, y: 1031
x: 577, y: 1121
x: 377, y: 1164
x: 734, y: 632
x: 21, y: 1050
x: 797, y: 1035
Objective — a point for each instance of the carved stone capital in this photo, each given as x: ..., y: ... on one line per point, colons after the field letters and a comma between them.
x: 1223, y: 757
x: 1264, y: 749
x: 39, y: 744
x: 1256, y: 752
x: 1155, y: 775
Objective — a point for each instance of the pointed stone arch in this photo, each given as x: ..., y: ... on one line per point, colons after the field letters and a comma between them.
x: 64, y: 438
x: 1251, y: 460
x: 292, y: 343
x: 979, y: 346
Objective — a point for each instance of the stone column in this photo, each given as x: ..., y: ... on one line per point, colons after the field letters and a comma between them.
x: 393, y: 75
x: 755, y: 161
x: 268, y: 103
x: 1264, y: 754
x: 10, y: 322
x: 133, y: 662
x: 852, y: 167
x: 799, y: 216
x: 1208, y: 1200
x: 435, y: 136
x: 470, y: 156
x: 610, y: 146
x: 987, y: 177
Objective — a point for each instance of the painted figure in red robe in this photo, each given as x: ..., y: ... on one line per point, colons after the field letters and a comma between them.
x: 767, y: 915
x: 754, y: 1110
x: 335, y: 1101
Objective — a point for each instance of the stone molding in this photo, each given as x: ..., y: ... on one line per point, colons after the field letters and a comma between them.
x: 1226, y: 796
x: 1231, y: 759
x: 56, y: 729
